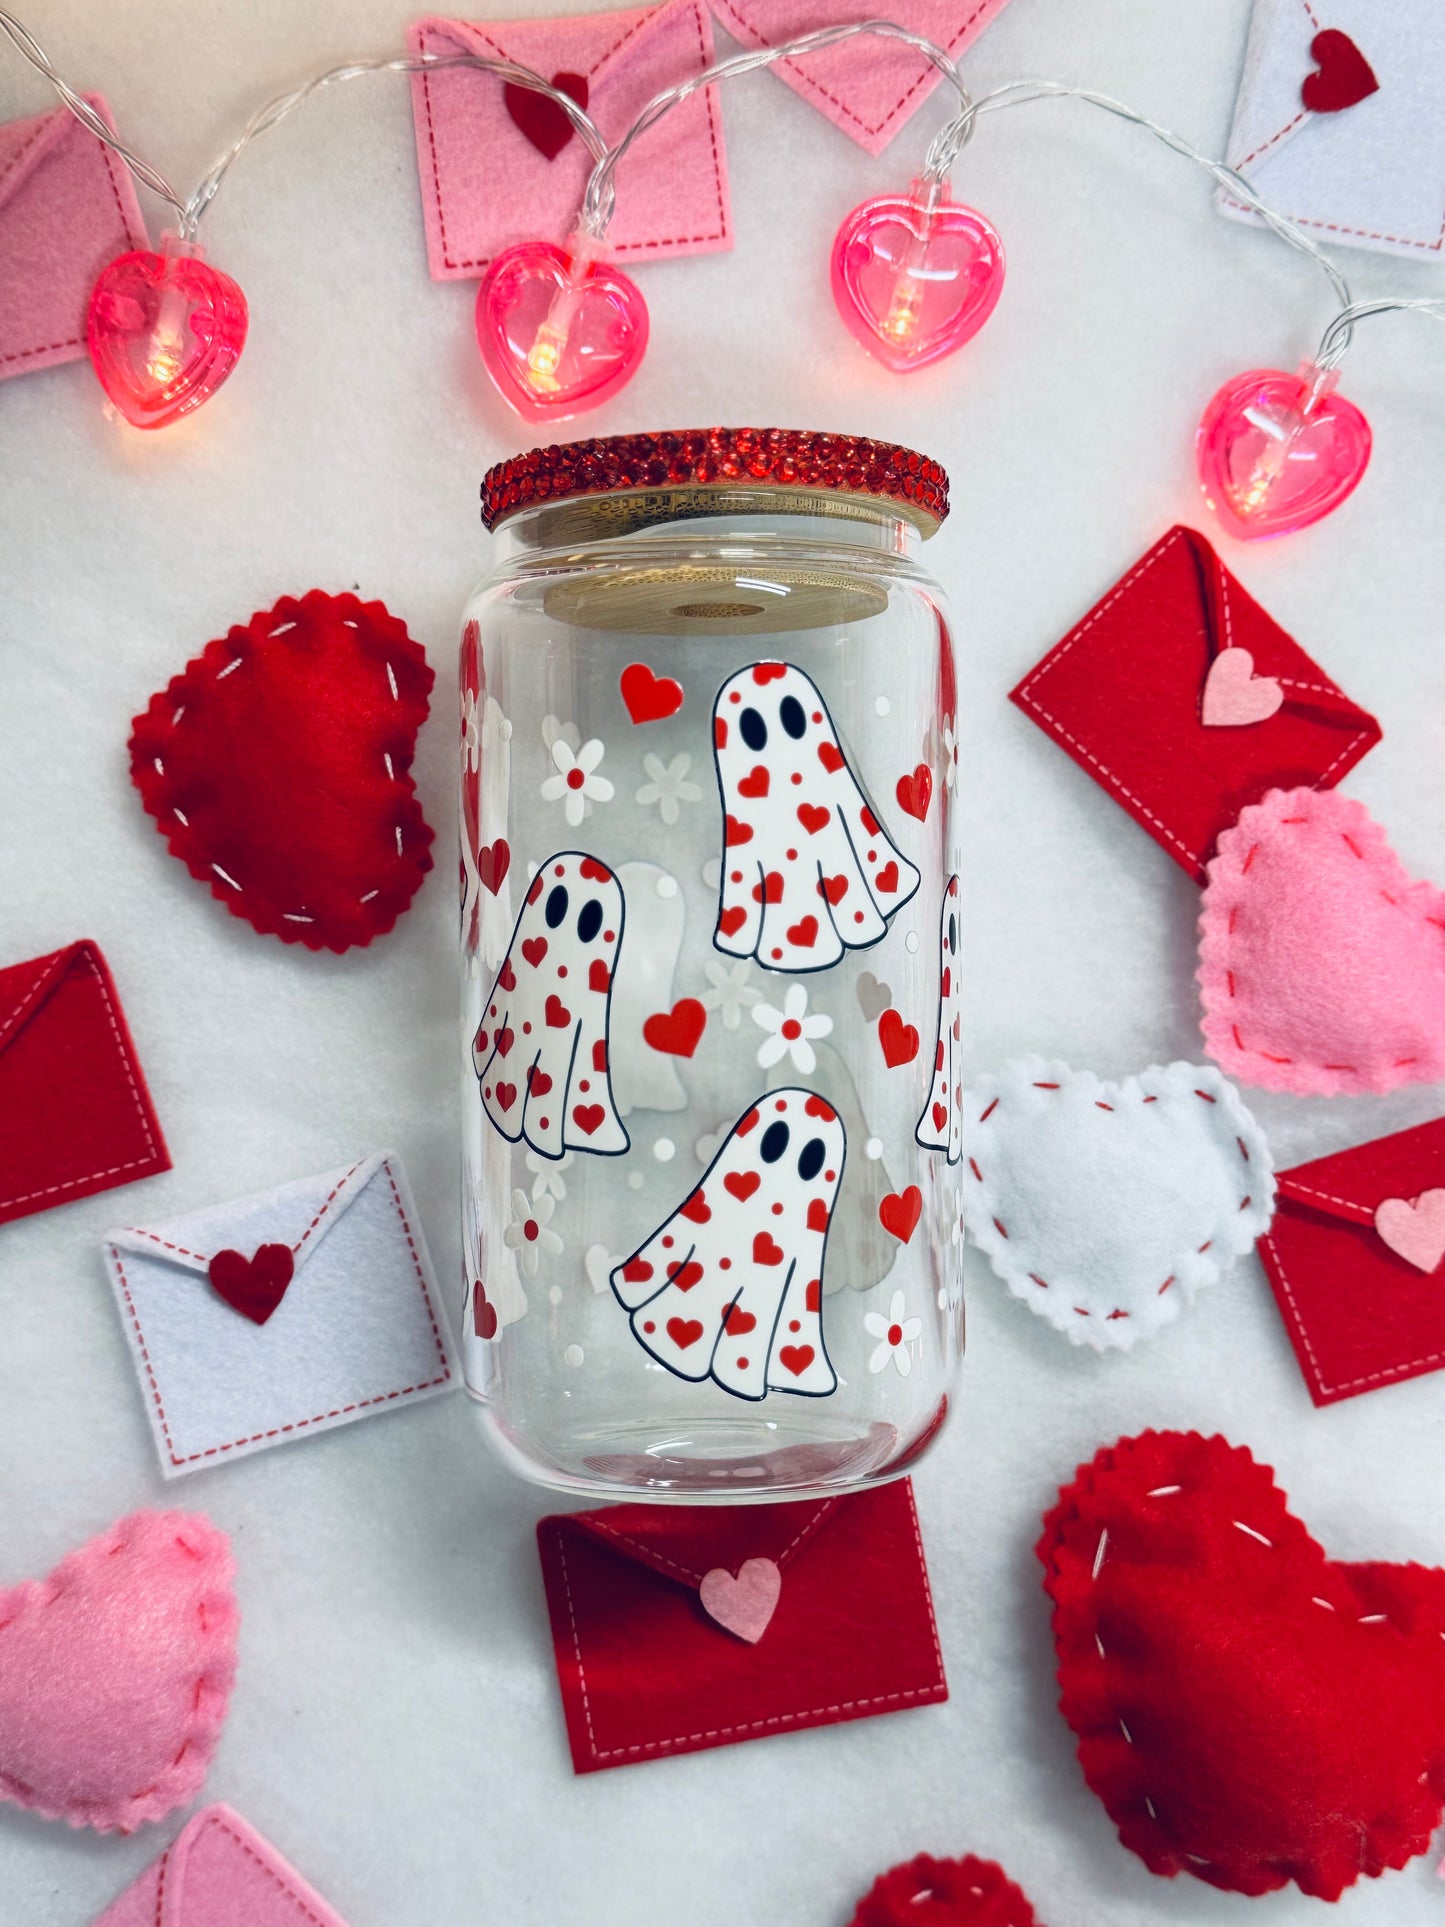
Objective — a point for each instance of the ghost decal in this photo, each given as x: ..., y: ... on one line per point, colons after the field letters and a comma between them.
x: 808, y: 871
x: 731, y: 1286
x: 540, y: 1052
x: 941, y: 1125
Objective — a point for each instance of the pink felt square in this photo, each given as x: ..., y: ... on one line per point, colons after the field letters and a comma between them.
x: 867, y: 86
x: 67, y: 206
x: 486, y: 186
x: 219, y: 1872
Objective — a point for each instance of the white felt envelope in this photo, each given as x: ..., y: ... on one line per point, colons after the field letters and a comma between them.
x: 1370, y: 175
x: 360, y: 1328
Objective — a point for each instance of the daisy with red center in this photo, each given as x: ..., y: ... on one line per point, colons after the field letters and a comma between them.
x: 895, y: 1334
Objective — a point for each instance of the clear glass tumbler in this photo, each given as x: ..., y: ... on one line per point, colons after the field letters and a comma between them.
x: 709, y: 941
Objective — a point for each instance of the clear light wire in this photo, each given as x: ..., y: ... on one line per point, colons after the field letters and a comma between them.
x: 1336, y: 337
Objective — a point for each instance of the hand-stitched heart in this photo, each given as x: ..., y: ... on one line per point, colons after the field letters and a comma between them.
x: 1234, y: 695
x: 115, y: 1673
x: 1249, y: 1711
x: 1106, y: 1206
x: 944, y: 1893
x: 1414, y: 1229
x: 744, y: 1604
x: 545, y: 122
x: 256, y: 1285
x: 277, y: 767
x: 1321, y: 964
x: 1342, y: 77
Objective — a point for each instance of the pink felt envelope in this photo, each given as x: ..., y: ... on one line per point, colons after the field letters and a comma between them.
x: 219, y: 1872
x: 867, y: 86
x: 486, y: 185
x: 67, y: 207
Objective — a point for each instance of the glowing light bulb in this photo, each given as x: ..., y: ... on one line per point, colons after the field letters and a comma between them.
x: 164, y: 331
x: 561, y: 329
x: 1277, y: 451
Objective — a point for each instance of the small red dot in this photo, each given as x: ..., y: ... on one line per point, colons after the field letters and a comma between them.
x: 872, y: 856
x: 742, y: 1362
x: 560, y: 869
x: 585, y: 1084
x: 530, y: 1230
x: 667, y: 1242
x: 895, y: 1334
x: 737, y: 876
x: 649, y: 1326
x: 792, y: 1028
x: 776, y: 954
x: 735, y: 697
x: 493, y: 1011
x: 777, y: 1211
x: 781, y: 1105
x: 796, y: 777
x: 857, y: 916
x: 544, y: 1122
x: 724, y: 1264
x: 575, y: 779
x: 792, y: 856
x: 828, y: 1176
x: 561, y: 970
x: 486, y: 1090
x: 817, y: 715
x: 793, y: 1325
x: 609, y: 936
x: 526, y: 1030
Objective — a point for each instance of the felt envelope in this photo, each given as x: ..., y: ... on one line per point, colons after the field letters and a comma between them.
x: 486, y: 183
x: 67, y: 206
x: 303, y: 1308
x: 219, y: 1872
x: 645, y: 1671
x: 1366, y: 167
x: 1359, y: 1314
x: 1124, y: 695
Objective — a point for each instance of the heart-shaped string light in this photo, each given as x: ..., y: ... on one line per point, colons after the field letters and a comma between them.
x: 1277, y: 451
x: 560, y: 329
x: 164, y: 331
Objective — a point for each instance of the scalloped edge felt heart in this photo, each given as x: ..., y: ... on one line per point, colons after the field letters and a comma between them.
x: 925, y: 1892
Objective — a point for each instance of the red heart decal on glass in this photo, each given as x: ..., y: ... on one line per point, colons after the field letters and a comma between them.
x: 899, y: 1040
x: 906, y: 309
x: 649, y: 698
x: 900, y: 1211
x: 1342, y: 78
x: 493, y: 862
x: 256, y: 1285
x: 543, y: 121
x: 915, y: 792
x: 164, y: 331
x: 484, y: 1313
x: 677, y: 1031
x: 1270, y: 461
x: 1249, y: 1711
x: 558, y: 333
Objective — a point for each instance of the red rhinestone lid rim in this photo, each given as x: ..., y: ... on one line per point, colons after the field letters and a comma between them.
x: 716, y: 457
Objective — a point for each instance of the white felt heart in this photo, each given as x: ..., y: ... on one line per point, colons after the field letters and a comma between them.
x: 1106, y: 1206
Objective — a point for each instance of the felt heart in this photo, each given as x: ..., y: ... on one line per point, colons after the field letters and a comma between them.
x: 559, y: 332
x: 277, y: 766
x: 1273, y: 455
x: 164, y: 331
x: 1249, y: 1711
x: 743, y: 1604
x: 677, y: 1031
x: 115, y: 1673
x: 1104, y: 1206
x: 1321, y: 964
x: 1234, y: 695
x: 544, y: 121
x: 649, y: 698
x: 906, y: 313
x: 1342, y: 77
x: 1414, y: 1229
x: 253, y: 1286
x: 944, y: 1893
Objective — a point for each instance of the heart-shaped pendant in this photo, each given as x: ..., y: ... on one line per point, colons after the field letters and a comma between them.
x: 560, y: 329
x: 916, y: 275
x: 164, y: 331
x: 1277, y: 451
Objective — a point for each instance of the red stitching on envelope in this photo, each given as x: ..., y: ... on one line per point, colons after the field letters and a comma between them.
x: 1336, y: 227
x: 1350, y: 1384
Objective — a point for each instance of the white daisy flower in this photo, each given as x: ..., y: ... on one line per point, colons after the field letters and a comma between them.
x: 731, y: 992
x: 895, y: 1334
x: 669, y: 786
x: 790, y: 1031
x: 471, y: 732
x: 950, y: 758
x: 547, y: 1179
x: 528, y: 1233
x: 576, y: 779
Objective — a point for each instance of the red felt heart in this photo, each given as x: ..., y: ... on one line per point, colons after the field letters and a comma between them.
x: 278, y: 769
x: 677, y: 1031
x: 1248, y: 1710
x: 1342, y: 78
x: 256, y: 1285
x: 544, y: 123
x: 649, y: 698
x: 944, y: 1893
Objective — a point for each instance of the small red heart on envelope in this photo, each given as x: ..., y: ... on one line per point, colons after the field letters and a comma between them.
x: 1342, y: 78
x: 544, y: 121
x: 1414, y: 1229
x: 256, y: 1285
x: 745, y: 1604
x: 1235, y: 695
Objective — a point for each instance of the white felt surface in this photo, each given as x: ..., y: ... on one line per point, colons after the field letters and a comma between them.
x: 396, y: 1727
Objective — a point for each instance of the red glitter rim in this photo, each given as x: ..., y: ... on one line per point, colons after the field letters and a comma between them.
x: 718, y: 458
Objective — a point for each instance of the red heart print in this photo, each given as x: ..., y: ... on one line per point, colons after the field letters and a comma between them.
x: 506, y: 1037
x: 899, y: 1212
x: 887, y: 878
x: 587, y: 1117
x: 770, y: 890
x: 755, y: 783
x: 915, y: 792
x: 746, y: 1124
x: 765, y: 1250
x: 684, y: 1331
x: 599, y: 1055
x: 678, y: 1031
x: 484, y: 1313
x: 796, y: 1358
x: 543, y: 121
x: 534, y: 949
x: 819, y: 1107
x: 696, y: 1209
x: 804, y: 934
x: 766, y: 672
x: 813, y: 817
x: 539, y: 1082
x: 940, y: 1116
x: 834, y: 888
x: 813, y: 1296
x: 637, y: 1271
x: 738, y: 1323
x: 507, y: 976
x: 1342, y: 78
x: 493, y: 862
x: 831, y: 757
x: 507, y: 1096
x: 256, y: 1285
x: 598, y: 975
x: 556, y: 1012
x: 742, y: 1184
x: 735, y: 833
x: 899, y: 1040
x: 649, y: 698
x: 594, y: 872
x: 870, y: 821
x: 1248, y: 1710
x: 817, y: 1215
x: 686, y: 1276
x: 731, y: 921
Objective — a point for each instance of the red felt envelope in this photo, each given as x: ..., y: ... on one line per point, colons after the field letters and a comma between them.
x: 1358, y: 1315
x: 75, y: 1114
x: 1123, y: 693
x: 646, y: 1672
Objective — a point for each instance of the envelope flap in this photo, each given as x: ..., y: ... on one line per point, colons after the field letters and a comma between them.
x: 222, y: 1873
x: 1352, y: 1184
x: 684, y: 1543
x: 25, y: 987
x: 25, y: 143
x: 298, y: 1214
x: 590, y: 44
x: 1269, y: 109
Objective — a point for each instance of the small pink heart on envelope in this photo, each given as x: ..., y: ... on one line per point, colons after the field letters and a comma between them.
x: 745, y: 1604
x: 1414, y: 1229
x: 1234, y: 695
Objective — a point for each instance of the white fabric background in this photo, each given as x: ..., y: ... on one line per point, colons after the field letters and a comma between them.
x: 396, y: 1726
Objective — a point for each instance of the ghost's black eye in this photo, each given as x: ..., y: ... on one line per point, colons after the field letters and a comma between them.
x: 810, y: 1159
x: 556, y: 905
x: 952, y: 935
x: 589, y: 921
x: 790, y: 715
x: 775, y: 1142
x: 754, y: 729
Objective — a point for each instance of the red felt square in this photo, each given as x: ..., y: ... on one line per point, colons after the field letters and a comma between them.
x: 1359, y: 1314
x: 1123, y: 694
x: 75, y: 1114
x: 645, y: 1671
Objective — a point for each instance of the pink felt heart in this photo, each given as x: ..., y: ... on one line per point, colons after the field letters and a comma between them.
x: 1322, y: 964
x: 1414, y: 1229
x: 744, y: 1604
x: 1234, y: 695
x: 115, y: 1673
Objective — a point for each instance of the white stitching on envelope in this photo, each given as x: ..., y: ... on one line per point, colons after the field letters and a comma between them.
x: 1350, y: 1384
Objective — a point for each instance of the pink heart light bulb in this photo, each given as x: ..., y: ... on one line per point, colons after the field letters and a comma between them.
x: 916, y: 275
x: 164, y: 331
x: 560, y: 329
x: 1278, y: 451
